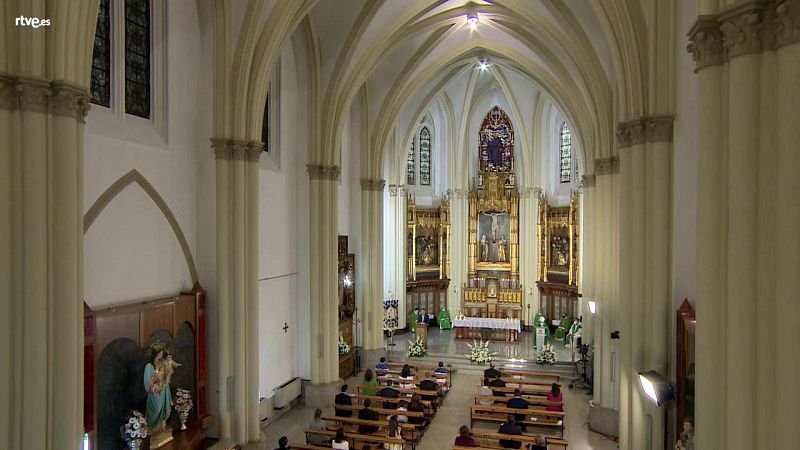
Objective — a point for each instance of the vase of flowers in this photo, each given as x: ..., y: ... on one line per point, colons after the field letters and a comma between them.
x: 183, y: 404
x: 479, y: 352
x: 344, y: 348
x: 134, y: 431
x: 416, y: 348
x: 546, y: 356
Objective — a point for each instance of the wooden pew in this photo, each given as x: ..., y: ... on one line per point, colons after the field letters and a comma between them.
x: 524, y: 390
x: 410, y: 431
x: 382, y: 411
x: 437, y: 393
x: 550, y: 420
x: 298, y: 446
x: 535, y: 401
x: 526, y: 382
x: 529, y: 374
x: 491, y: 439
x: 376, y: 398
x: 358, y: 440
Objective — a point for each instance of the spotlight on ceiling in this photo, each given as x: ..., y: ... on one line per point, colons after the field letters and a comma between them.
x: 657, y: 388
x: 592, y: 306
x: 472, y: 18
x: 483, y: 64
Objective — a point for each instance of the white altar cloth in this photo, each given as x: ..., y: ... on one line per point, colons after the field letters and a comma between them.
x: 485, y: 322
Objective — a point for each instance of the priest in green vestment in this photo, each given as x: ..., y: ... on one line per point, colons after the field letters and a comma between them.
x: 563, y: 328
x: 413, y: 317
x: 444, y: 320
x: 540, y: 322
x: 574, y: 333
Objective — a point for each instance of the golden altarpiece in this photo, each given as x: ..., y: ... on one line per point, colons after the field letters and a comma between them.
x: 428, y: 259
x: 492, y: 288
x: 557, y: 268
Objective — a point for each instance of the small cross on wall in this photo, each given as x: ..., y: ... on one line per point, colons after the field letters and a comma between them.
x: 285, y: 327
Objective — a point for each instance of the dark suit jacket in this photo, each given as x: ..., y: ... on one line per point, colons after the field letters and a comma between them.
x: 491, y: 373
x: 519, y: 403
x: 367, y: 414
x: 498, y: 383
x: 343, y: 399
x: 416, y: 407
x: 510, y: 428
x: 389, y: 392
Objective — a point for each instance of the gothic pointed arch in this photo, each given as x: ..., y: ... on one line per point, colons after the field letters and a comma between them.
x: 496, y: 142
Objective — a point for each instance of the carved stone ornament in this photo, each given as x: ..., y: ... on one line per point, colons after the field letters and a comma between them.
x: 9, y: 97
x: 393, y: 190
x: 786, y: 23
x: 39, y: 95
x: 705, y: 43
x: 231, y: 149
x: 372, y: 185
x: 742, y: 31
x: 68, y: 100
x: 606, y: 166
x: 587, y: 181
x: 646, y: 129
x: 322, y: 172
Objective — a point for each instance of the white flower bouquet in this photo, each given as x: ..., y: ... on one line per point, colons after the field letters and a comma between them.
x: 135, y: 427
x: 546, y: 356
x: 416, y: 348
x: 480, y: 352
x: 183, y: 404
x: 344, y: 348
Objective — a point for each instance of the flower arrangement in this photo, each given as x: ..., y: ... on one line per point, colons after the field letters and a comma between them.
x: 183, y: 404
x: 416, y: 348
x: 135, y: 428
x: 480, y: 352
x: 546, y: 356
x: 344, y: 347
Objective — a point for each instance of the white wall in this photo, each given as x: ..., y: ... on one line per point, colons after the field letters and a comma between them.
x: 130, y: 252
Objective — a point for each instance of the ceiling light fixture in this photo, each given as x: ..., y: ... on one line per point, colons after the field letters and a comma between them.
x: 483, y: 64
x: 472, y: 18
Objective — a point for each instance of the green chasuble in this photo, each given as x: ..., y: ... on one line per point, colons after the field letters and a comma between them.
x: 574, y: 331
x: 541, y: 322
x: 444, y: 320
x: 563, y: 328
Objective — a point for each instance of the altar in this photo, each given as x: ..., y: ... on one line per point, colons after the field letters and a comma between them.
x: 486, y: 328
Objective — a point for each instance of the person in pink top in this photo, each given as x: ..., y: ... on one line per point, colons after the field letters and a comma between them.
x: 555, y: 395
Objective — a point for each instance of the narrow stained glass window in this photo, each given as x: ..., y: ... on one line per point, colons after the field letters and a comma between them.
x: 137, y: 58
x: 566, y: 154
x: 265, y: 125
x: 101, y: 58
x: 425, y: 157
x: 411, y: 168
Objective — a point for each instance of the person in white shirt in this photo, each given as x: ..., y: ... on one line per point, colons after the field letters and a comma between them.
x: 339, y: 442
x: 403, y: 406
x: 485, y: 391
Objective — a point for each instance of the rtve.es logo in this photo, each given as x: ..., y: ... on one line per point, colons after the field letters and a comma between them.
x: 33, y: 22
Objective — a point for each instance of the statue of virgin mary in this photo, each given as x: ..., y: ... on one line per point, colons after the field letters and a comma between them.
x: 157, y: 376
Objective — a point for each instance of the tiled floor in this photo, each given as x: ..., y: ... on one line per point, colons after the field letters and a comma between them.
x: 455, y: 410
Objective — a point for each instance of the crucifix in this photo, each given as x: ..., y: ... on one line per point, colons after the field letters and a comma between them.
x: 285, y: 327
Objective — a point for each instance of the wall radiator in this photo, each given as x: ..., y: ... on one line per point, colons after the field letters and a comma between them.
x: 286, y: 393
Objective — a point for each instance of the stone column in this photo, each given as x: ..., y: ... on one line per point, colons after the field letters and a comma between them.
x: 237, y: 279
x: 458, y: 246
x: 529, y: 250
x: 644, y: 294
x: 41, y: 243
x: 372, y: 265
x: 395, y: 257
x: 324, y: 286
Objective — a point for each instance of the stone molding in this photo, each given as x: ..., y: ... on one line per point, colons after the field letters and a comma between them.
x: 393, y: 188
x: 58, y: 98
x: 457, y: 193
x: 534, y: 192
x: 606, y: 166
x: 372, y: 185
x: 588, y: 181
x: 646, y: 129
x: 751, y: 27
x: 236, y: 150
x: 323, y: 172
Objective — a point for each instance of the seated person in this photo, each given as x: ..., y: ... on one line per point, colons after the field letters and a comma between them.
x: 485, y: 392
x: 401, y: 407
x: 283, y: 443
x: 563, y: 327
x: 440, y: 368
x: 491, y: 372
x: 367, y: 414
x: 497, y: 382
x: 429, y: 385
x: 519, y: 403
x: 540, y: 443
x: 444, y: 320
x: 441, y: 380
x: 318, y: 424
x: 405, y: 372
x: 407, y: 379
x: 509, y: 427
x: 416, y: 406
x: 382, y: 365
x: 464, y: 438
x: 343, y: 398
x: 555, y: 396
x: 369, y: 380
x: 389, y: 392
x: 339, y: 442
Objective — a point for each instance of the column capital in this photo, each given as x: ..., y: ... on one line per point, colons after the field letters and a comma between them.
x: 40, y: 95
x: 742, y: 29
x: 529, y: 192
x: 323, y: 172
x: 606, y: 166
x: 372, y: 185
x: 785, y: 25
x: 234, y: 149
x: 393, y: 189
x: 587, y: 181
x: 645, y: 129
x: 457, y: 193
x: 705, y: 42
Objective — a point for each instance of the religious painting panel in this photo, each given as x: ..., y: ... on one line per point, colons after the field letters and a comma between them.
x: 494, y: 231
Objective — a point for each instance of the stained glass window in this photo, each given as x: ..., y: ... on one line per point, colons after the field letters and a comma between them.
x: 425, y: 157
x: 411, y: 168
x: 265, y: 125
x: 101, y: 58
x: 565, y: 154
x: 137, y: 58
x: 496, y: 142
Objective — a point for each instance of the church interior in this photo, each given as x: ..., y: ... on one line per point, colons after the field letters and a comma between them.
x: 309, y: 224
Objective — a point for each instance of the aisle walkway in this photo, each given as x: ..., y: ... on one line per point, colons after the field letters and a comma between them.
x: 453, y: 413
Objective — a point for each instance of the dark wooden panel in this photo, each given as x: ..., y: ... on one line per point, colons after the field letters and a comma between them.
x: 185, y: 311
x: 115, y: 326
x: 154, y: 319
